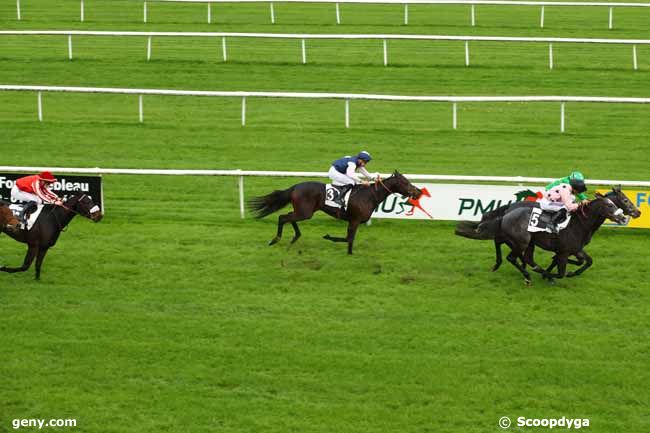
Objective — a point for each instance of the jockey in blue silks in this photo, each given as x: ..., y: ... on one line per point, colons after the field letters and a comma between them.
x: 343, y: 172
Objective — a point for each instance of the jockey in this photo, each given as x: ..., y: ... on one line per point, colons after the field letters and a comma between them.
x: 34, y: 190
x: 342, y: 172
x: 561, y: 196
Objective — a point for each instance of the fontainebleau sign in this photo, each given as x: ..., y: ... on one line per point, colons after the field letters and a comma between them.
x: 65, y: 186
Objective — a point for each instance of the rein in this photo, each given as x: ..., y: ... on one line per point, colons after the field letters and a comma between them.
x: 382, y: 184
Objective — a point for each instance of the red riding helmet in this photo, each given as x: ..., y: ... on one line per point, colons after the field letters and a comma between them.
x: 47, y: 177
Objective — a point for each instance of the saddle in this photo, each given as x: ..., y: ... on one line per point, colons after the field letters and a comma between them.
x: 27, y: 213
x: 549, y: 222
x: 337, y: 196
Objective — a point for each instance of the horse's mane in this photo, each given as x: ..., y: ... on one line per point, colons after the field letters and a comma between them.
x: 4, y: 203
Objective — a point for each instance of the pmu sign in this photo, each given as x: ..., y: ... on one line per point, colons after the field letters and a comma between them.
x: 63, y: 187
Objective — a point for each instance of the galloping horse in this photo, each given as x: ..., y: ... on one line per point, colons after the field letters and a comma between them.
x: 308, y: 197
x: 512, y: 228
x: 47, y: 228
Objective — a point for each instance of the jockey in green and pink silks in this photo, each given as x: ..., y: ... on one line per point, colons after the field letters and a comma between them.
x: 564, y: 192
x: 561, y: 195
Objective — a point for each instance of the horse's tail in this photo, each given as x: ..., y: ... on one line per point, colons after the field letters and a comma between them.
x: 267, y: 204
x: 479, y: 231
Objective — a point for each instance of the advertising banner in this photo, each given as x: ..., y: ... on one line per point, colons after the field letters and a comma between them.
x: 454, y: 202
x: 65, y: 185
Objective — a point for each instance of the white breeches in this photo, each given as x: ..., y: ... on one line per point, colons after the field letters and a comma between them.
x: 339, y: 179
x: 19, y: 195
x: 551, y: 206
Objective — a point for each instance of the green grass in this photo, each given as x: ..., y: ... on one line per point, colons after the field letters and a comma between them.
x: 173, y: 315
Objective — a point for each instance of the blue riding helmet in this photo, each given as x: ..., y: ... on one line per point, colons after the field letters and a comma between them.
x: 365, y: 156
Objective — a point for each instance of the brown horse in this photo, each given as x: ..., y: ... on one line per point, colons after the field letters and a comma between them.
x: 7, y: 219
x: 308, y: 197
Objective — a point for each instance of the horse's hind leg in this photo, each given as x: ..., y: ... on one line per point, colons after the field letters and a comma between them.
x: 291, y: 217
x: 499, y: 258
x: 512, y: 258
x: 32, y: 250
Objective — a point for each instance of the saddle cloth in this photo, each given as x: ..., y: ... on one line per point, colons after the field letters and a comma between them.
x: 17, y: 210
x: 540, y: 221
x: 332, y: 193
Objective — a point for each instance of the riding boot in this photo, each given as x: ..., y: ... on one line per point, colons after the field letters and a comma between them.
x: 341, y: 198
x: 28, y: 209
x: 557, y: 218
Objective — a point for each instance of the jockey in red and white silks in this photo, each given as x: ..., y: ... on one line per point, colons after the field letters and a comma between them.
x: 35, y: 188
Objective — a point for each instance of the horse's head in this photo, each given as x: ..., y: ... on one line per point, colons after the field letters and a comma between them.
x: 604, y: 207
x: 401, y: 185
x: 7, y: 219
x: 620, y: 199
x: 84, y: 205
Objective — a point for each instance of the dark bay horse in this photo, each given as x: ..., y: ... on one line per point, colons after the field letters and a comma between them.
x: 7, y: 218
x: 583, y: 259
x: 47, y: 228
x: 309, y: 197
x: 512, y: 228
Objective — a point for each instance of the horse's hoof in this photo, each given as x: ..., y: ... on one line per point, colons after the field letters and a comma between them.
x: 571, y: 274
x: 495, y: 268
x: 527, y: 282
x: 273, y: 241
x: 294, y: 239
x: 327, y: 237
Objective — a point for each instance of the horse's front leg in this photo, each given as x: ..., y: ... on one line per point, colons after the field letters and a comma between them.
x: 352, y: 230
x: 32, y: 250
x: 582, y: 257
x: 39, y: 261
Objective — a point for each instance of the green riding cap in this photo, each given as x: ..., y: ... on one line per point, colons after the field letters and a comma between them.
x: 575, y: 179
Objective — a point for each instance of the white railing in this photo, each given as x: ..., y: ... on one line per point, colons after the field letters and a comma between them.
x: 241, y: 174
x: 305, y: 37
x: 347, y: 97
x: 405, y: 3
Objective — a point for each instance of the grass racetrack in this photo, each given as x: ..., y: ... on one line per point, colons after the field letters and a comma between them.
x: 172, y: 314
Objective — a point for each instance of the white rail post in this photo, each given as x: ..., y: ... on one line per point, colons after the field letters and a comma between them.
x: 69, y: 47
x: 347, y: 113
x: 209, y: 13
x: 406, y: 13
x: 455, y: 115
x: 304, y: 52
x: 81, y: 17
x: 223, y: 49
x: 241, y: 195
x: 550, y: 56
x: 541, y: 19
x: 473, y: 17
x: 18, y: 10
x: 144, y: 19
x: 148, y: 48
x: 40, y: 107
x: 611, y: 17
x: 272, y: 14
x: 385, y: 53
x: 636, y: 66
x: 243, y: 111
x: 140, y: 109
x: 466, y: 53
x: 562, y: 117
x: 338, y: 14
